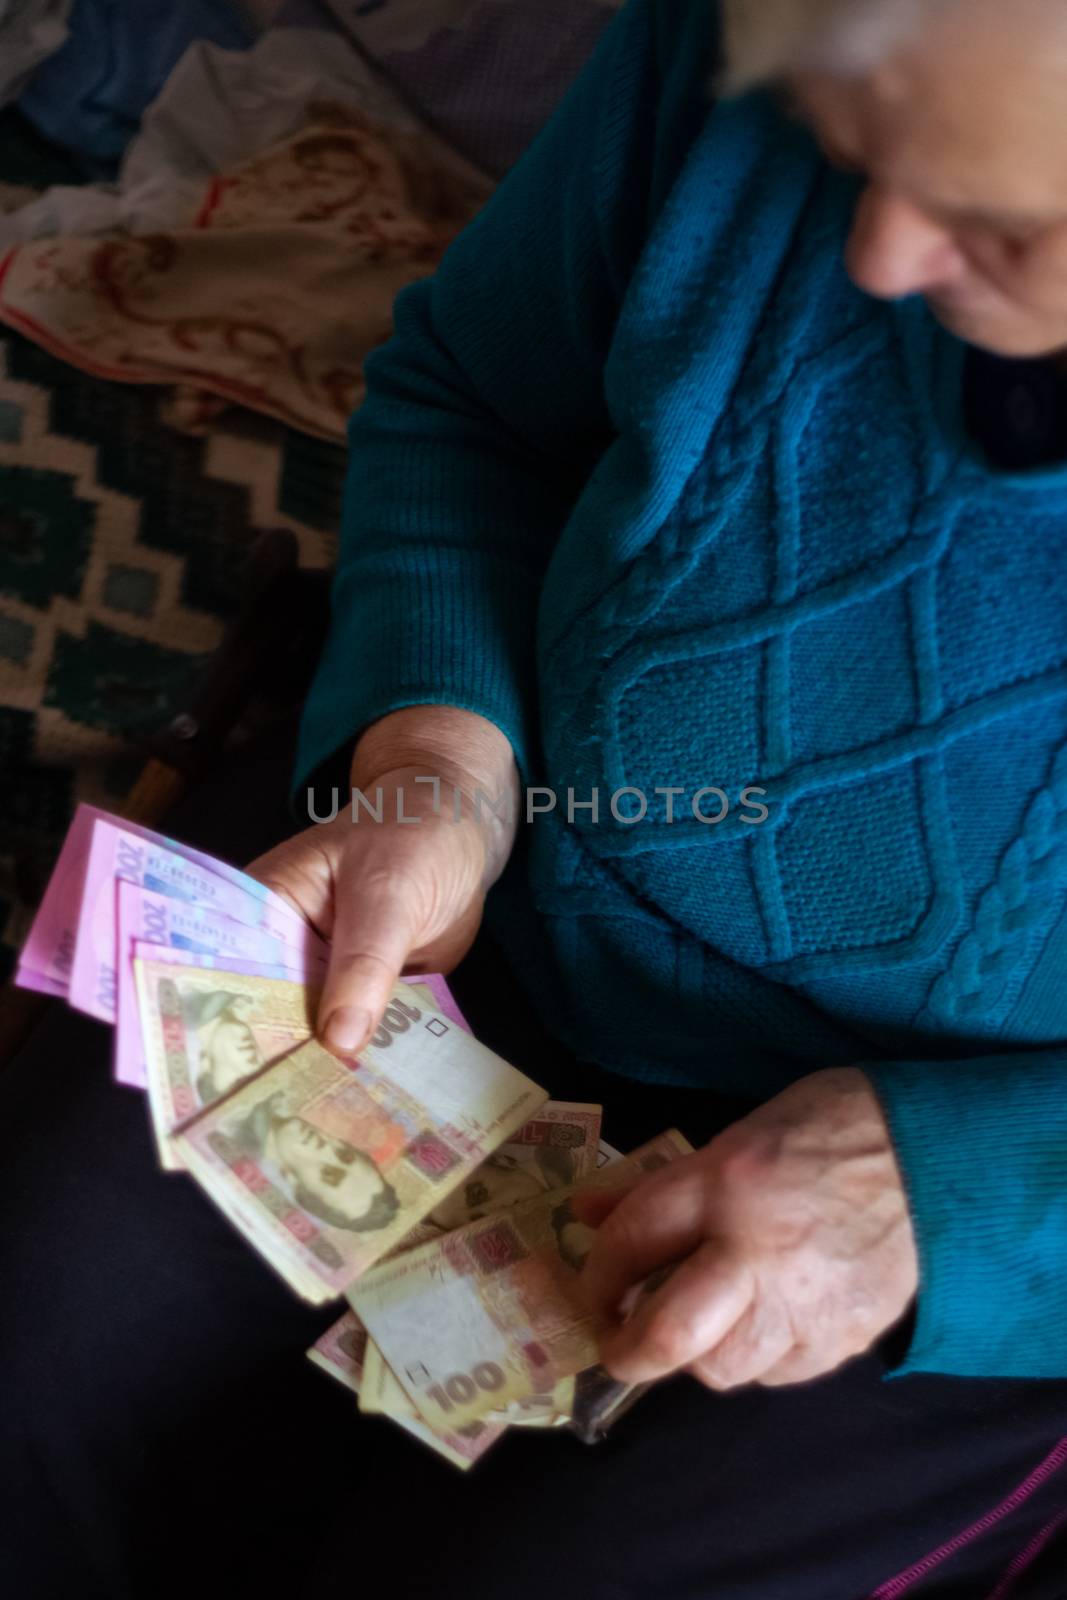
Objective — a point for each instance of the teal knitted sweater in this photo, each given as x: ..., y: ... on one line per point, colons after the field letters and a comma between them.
x: 642, y: 478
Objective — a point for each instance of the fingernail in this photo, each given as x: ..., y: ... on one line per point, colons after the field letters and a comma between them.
x: 630, y: 1301
x: 346, y: 1029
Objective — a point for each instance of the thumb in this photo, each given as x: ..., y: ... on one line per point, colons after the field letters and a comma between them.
x: 376, y: 924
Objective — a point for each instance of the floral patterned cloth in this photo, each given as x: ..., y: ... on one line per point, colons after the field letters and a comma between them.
x: 279, y: 289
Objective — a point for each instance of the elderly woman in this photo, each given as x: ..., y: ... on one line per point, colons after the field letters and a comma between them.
x: 708, y: 507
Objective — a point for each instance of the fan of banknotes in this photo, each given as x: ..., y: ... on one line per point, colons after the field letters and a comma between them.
x: 429, y: 1182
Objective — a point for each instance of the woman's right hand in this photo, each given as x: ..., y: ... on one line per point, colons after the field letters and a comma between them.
x: 401, y: 894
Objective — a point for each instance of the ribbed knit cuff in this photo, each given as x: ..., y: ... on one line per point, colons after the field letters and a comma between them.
x: 983, y: 1149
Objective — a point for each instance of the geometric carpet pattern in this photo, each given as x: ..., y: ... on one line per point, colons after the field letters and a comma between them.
x: 122, y: 540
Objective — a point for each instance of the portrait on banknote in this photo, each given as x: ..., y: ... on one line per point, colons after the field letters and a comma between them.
x: 325, y: 1176
x: 206, y: 1032
x: 227, y: 1050
x: 503, y: 1180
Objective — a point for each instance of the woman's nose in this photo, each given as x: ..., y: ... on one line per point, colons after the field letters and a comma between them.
x: 895, y: 249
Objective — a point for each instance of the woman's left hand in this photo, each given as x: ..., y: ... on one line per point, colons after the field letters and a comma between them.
x: 792, y: 1236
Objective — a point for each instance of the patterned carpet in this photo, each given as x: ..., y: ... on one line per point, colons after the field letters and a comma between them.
x: 122, y: 541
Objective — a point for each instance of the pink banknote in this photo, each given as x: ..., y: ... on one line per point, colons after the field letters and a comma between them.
x: 47, y: 958
x: 165, y: 870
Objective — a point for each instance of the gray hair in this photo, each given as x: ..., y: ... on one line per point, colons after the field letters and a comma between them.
x: 765, y: 38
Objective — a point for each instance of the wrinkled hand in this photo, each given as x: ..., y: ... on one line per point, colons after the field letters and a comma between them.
x: 395, y: 895
x: 793, y: 1239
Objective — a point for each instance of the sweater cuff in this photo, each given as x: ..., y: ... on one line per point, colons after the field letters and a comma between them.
x: 982, y: 1146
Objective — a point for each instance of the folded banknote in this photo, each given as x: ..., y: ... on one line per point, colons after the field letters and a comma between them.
x: 557, y: 1148
x: 325, y: 1165
x: 341, y: 1352
x: 205, y: 1030
x: 490, y: 1314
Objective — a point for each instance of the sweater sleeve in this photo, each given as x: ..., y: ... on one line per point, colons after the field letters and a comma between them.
x: 982, y: 1146
x: 485, y: 413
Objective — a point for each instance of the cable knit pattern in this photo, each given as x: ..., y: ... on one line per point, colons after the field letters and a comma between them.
x: 1032, y: 871
x: 643, y: 479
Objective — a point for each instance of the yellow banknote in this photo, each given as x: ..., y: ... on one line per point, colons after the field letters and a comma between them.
x: 341, y: 1352
x: 490, y: 1314
x: 206, y: 1031
x: 381, y: 1393
x: 557, y: 1148
x: 326, y: 1166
